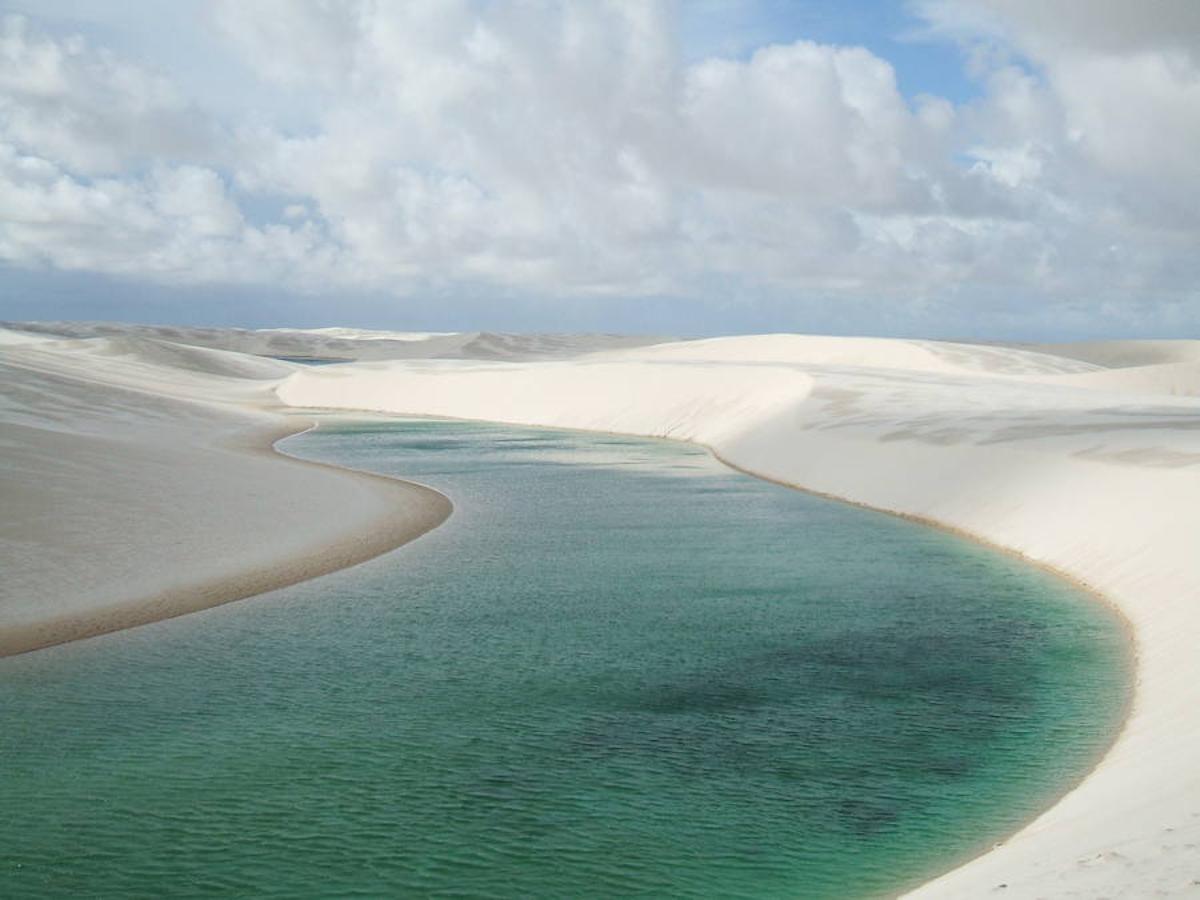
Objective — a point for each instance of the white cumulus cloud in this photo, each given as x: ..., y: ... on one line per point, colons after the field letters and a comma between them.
x: 551, y: 149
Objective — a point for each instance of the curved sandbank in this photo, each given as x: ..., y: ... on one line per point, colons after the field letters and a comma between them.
x: 131, y: 495
x: 1057, y: 459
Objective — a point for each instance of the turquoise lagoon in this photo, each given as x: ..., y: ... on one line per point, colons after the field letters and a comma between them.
x: 619, y: 669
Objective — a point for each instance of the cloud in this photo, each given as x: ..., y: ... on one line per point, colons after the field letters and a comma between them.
x: 175, y: 224
x: 1098, y: 26
x: 568, y: 147
x: 559, y: 149
x: 88, y: 109
x: 1125, y: 79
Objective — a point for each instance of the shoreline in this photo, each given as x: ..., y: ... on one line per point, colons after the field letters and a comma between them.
x: 365, y: 543
x: 415, y: 509
x: 1132, y: 642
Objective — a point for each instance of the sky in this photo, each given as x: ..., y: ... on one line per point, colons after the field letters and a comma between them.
x: 984, y: 169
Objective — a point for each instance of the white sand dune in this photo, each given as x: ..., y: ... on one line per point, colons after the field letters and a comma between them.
x: 370, y: 334
x: 1091, y: 470
x: 138, y: 484
x: 1178, y: 379
x: 13, y: 337
x: 131, y: 447
x: 1123, y: 354
x: 346, y: 343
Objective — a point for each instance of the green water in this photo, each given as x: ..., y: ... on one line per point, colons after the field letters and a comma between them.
x: 618, y: 670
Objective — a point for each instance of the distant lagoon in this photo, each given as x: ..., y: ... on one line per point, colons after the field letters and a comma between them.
x: 619, y: 669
